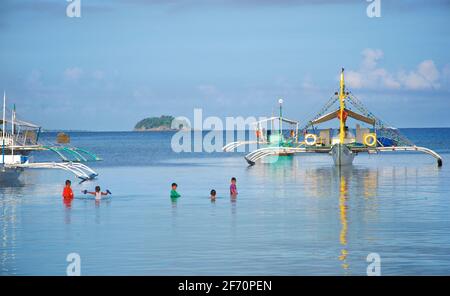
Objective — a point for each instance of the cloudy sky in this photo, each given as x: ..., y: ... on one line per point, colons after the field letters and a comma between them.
x: 126, y: 60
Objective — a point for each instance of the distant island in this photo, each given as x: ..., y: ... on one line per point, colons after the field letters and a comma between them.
x: 162, y: 123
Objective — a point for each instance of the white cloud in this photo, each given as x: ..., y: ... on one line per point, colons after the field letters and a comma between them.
x: 308, y: 84
x: 211, y: 92
x: 370, y: 75
x: 98, y: 75
x: 426, y: 76
x: 371, y: 57
x: 34, y: 79
x: 73, y: 74
x: 446, y: 76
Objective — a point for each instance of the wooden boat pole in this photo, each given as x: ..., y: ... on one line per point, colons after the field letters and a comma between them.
x: 3, y: 128
x: 280, y: 101
x: 342, y: 106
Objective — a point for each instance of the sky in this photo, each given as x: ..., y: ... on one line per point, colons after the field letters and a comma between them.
x: 122, y: 61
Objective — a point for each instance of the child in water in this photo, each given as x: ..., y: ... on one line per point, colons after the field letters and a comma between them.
x: 233, y: 188
x: 213, y: 195
x: 67, y: 192
x: 98, y: 193
x: 173, y: 192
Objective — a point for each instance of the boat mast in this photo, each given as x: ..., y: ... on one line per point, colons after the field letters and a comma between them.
x: 4, y: 115
x: 280, y: 101
x: 3, y: 128
x: 13, y: 118
x: 342, y: 106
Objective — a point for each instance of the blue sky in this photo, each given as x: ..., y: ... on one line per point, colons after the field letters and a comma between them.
x: 126, y: 60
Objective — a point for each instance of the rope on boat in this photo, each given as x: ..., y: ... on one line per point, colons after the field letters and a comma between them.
x: 324, y: 109
x: 382, y: 128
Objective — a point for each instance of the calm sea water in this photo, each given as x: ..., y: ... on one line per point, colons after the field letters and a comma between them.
x: 298, y: 216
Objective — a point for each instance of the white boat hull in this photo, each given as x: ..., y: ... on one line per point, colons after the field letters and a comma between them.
x: 8, y: 175
x: 342, y: 155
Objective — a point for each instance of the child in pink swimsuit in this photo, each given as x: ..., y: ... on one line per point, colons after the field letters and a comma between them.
x: 233, y: 188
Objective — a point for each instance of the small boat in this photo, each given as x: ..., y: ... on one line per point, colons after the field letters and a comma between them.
x: 272, y: 133
x: 343, y: 145
x: 19, y: 139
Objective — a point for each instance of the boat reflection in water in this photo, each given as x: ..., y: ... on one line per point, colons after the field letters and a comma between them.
x: 347, y: 210
x: 343, y: 214
x: 355, y: 187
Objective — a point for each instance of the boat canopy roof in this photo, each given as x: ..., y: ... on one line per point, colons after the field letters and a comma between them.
x: 277, y: 118
x: 334, y: 114
x: 18, y: 122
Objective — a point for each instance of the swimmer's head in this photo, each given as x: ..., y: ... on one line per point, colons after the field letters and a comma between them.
x: 68, y: 183
x: 174, y: 186
x: 97, y: 188
x: 213, y: 193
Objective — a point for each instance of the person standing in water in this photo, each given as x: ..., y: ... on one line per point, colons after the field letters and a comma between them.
x: 233, y: 188
x: 173, y: 192
x: 213, y: 195
x: 68, y: 194
x: 97, y: 193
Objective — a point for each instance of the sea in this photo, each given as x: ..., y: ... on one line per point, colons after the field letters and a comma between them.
x: 301, y: 215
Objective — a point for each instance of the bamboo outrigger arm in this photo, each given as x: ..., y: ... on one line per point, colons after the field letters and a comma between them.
x: 254, y: 156
x: 258, y: 154
x: 233, y: 145
x: 412, y: 148
x: 67, y: 154
x: 80, y: 170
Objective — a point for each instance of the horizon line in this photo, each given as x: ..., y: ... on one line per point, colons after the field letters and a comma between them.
x: 205, y: 130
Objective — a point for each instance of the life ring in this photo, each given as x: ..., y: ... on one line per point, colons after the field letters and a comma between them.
x: 313, y: 137
x: 370, y: 140
x: 258, y: 134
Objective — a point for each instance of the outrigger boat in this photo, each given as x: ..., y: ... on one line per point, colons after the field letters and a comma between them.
x: 344, y: 146
x: 270, y: 133
x: 18, y: 139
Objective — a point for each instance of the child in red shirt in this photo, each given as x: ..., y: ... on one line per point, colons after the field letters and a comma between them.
x: 67, y: 192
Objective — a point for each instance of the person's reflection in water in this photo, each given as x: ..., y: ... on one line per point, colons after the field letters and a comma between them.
x: 174, y: 202
x: 67, y: 211
x: 98, y: 219
x: 233, y: 200
x: 174, y: 208
x: 98, y: 202
x: 67, y: 202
